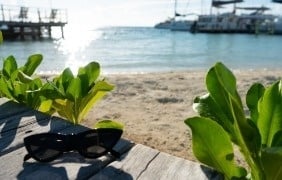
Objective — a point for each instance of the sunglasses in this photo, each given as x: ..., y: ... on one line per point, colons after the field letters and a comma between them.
x: 93, y: 143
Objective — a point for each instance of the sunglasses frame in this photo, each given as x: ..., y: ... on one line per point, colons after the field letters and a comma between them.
x: 73, y: 142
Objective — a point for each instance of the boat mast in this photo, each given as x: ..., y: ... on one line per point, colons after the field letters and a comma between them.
x: 211, y: 7
x: 175, y: 6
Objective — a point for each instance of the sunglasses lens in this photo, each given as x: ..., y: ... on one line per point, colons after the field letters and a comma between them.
x: 44, y: 147
x: 109, y: 137
x: 90, y: 145
x: 98, y: 143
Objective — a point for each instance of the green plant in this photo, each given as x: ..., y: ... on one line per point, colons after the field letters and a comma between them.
x: 1, y: 37
x: 223, y: 124
x: 73, y: 96
x: 108, y: 124
x: 18, y: 84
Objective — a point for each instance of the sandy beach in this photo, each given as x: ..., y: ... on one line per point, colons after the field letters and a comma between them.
x: 153, y: 106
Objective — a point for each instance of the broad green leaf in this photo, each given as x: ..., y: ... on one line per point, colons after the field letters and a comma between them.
x: 91, y: 71
x: 252, y: 98
x: 33, y: 93
x: 277, y: 139
x: 46, y: 106
x: 272, y: 162
x: 64, y: 109
x: 23, y: 77
x: 108, y: 124
x: 205, y: 106
x: 65, y: 79
x: 50, y: 91
x: 221, y: 84
x: 74, y: 90
x: 9, y: 66
x: 32, y: 63
x: 270, y: 113
x: 97, y: 93
x: 212, y: 146
x: 4, y: 88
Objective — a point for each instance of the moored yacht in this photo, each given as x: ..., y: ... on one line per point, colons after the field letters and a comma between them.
x: 179, y: 22
x: 255, y: 22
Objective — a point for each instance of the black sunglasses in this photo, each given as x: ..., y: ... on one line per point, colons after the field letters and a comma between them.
x: 93, y: 143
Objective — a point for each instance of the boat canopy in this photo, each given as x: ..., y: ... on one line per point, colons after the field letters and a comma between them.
x: 277, y: 1
x: 254, y: 8
x: 218, y: 3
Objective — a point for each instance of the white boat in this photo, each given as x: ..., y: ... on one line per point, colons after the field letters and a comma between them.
x: 255, y: 22
x: 177, y: 23
x: 164, y: 25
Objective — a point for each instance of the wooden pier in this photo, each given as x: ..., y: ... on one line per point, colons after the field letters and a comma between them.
x: 18, y: 22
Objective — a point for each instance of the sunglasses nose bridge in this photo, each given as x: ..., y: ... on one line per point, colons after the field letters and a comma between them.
x: 72, y: 142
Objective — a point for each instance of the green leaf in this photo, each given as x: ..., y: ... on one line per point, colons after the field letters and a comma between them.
x: 252, y: 99
x: 4, y: 89
x: 1, y: 37
x: 24, y: 78
x: 270, y: 113
x: 108, y: 124
x: 32, y: 63
x: 89, y: 73
x: 272, y: 162
x: 95, y: 94
x: 46, y: 106
x: 9, y: 66
x: 212, y: 146
x: 205, y: 106
x: 277, y: 139
x: 74, y: 89
x: 65, y: 79
x: 221, y: 84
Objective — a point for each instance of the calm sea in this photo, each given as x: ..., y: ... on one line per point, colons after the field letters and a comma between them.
x: 141, y: 50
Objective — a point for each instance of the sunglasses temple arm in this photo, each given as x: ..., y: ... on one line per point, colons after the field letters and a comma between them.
x: 27, y: 157
x: 115, y: 153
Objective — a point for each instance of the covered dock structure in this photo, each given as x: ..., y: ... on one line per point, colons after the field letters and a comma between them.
x: 19, y: 22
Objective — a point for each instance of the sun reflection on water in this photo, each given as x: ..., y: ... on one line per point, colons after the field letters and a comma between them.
x: 74, y: 44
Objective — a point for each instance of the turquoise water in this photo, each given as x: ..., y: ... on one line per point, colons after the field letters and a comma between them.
x: 137, y: 49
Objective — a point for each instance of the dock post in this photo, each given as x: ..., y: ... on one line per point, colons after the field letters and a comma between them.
x: 39, y: 33
x: 49, y: 32
x: 62, y: 31
x: 33, y: 33
x: 22, y: 32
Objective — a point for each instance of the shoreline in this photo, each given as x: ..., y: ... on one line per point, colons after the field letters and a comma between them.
x: 153, y: 106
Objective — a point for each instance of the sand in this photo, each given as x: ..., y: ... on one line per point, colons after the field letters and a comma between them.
x: 153, y: 106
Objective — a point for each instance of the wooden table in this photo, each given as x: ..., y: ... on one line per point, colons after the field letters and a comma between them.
x: 137, y: 161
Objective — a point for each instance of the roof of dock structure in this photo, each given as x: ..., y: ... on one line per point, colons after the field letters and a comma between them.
x: 11, y: 13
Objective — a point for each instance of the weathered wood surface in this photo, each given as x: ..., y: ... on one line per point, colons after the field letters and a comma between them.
x: 145, y: 163
x: 17, y: 122
x: 137, y: 161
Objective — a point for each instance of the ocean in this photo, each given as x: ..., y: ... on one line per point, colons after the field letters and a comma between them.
x: 146, y: 49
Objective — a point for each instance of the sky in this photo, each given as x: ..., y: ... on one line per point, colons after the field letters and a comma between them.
x: 99, y: 13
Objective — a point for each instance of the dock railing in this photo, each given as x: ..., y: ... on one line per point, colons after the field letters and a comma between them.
x: 11, y: 13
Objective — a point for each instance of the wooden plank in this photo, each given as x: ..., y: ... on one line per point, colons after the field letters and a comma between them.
x: 10, y: 108
x: 143, y: 162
